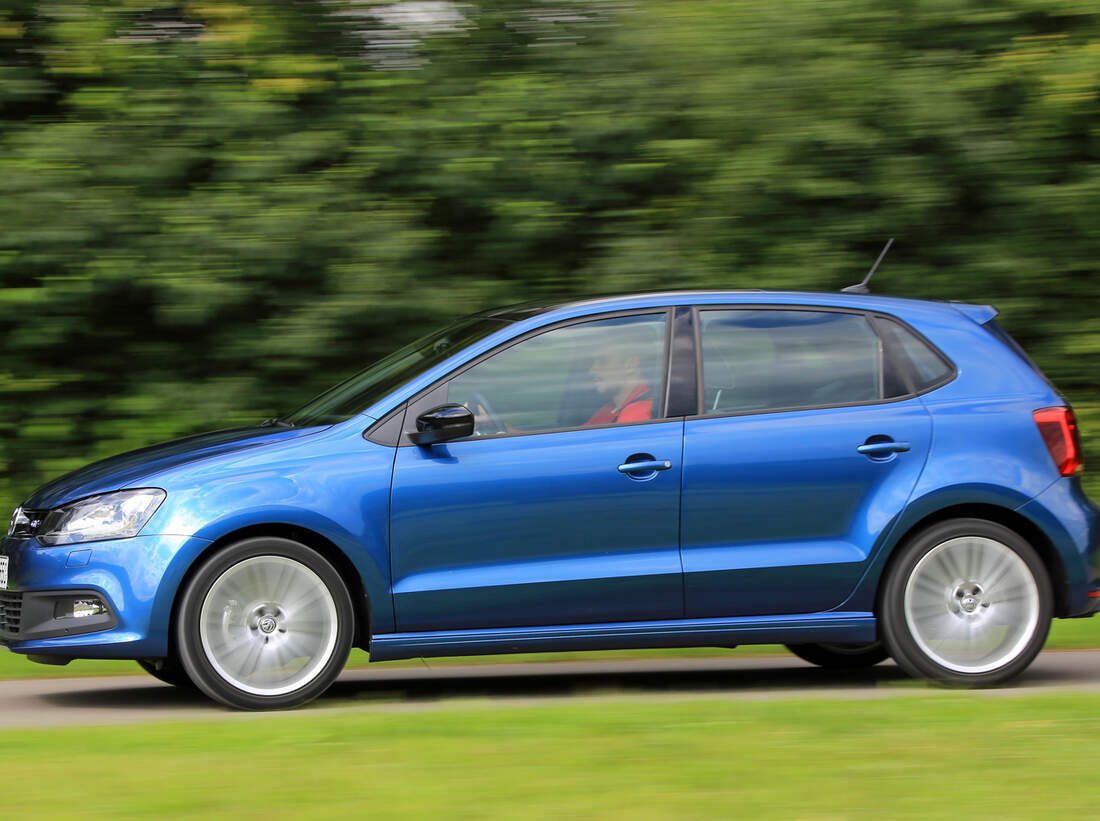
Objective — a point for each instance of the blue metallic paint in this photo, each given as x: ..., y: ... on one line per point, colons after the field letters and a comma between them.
x: 132, y: 574
x: 334, y: 484
x: 304, y: 481
x: 780, y: 514
x: 1072, y: 523
x: 500, y: 532
x: 128, y: 469
x: 919, y: 510
x: 781, y: 511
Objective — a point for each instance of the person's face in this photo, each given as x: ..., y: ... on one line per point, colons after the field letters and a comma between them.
x: 611, y: 371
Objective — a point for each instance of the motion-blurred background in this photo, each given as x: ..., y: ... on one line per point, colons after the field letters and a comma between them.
x: 210, y: 211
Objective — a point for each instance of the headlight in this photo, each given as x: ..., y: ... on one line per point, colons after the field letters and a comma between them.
x: 116, y: 515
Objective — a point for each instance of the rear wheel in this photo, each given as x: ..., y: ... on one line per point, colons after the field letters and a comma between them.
x: 841, y: 656
x: 968, y: 603
x: 265, y: 624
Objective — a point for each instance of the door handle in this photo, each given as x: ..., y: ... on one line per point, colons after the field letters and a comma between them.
x: 645, y: 467
x: 879, y: 448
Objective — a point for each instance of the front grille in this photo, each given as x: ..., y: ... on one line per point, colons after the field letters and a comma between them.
x: 25, y: 523
x: 11, y: 613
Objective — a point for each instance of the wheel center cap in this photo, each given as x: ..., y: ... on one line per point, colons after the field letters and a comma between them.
x: 268, y: 624
x: 969, y: 597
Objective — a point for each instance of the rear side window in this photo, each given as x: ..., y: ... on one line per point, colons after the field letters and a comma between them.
x: 756, y: 359
x: 922, y: 364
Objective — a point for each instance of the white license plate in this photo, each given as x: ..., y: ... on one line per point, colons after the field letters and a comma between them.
x: 3, y: 572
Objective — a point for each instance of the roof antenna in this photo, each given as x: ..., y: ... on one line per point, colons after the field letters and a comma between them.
x: 862, y: 288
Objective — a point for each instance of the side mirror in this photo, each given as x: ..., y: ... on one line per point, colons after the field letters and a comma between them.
x: 443, y: 424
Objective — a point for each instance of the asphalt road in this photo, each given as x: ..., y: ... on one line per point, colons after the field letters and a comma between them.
x: 131, y: 699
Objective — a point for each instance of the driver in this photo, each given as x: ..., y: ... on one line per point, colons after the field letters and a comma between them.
x: 617, y: 375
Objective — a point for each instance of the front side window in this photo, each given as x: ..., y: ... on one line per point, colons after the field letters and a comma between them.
x: 757, y: 359
x: 603, y: 372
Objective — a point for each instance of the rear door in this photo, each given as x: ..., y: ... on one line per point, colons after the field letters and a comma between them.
x: 808, y: 446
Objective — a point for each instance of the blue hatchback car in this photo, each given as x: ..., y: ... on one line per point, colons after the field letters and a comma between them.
x: 854, y: 476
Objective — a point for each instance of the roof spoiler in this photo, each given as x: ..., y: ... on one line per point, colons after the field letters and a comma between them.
x: 979, y: 313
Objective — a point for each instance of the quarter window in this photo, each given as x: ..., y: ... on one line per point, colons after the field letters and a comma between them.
x: 603, y: 372
x: 926, y: 367
x: 770, y: 359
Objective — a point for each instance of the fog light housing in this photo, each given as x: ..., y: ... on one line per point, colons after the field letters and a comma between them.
x: 49, y: 614
x: 80, y: 608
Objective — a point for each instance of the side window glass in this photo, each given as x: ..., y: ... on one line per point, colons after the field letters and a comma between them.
x: 926, y: 367
x: 593, y: 373
x: 771, y: 359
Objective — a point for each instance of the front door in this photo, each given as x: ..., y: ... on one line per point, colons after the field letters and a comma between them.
x: 539, y: 518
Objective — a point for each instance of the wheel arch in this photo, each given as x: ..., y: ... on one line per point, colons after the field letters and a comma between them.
x: 1014, y: 521
x: 349, y: 574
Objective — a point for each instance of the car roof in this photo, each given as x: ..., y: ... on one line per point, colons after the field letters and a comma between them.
x: 623, y: 302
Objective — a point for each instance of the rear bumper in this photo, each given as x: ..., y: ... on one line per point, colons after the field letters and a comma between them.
x: 136, y: 578
x: 1072, y: 523
x: 1093, y: 598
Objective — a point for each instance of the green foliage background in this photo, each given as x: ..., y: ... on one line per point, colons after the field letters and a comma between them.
x: 209, y: 211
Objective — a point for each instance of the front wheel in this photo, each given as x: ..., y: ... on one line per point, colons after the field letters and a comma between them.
x: 968, y: 602
x: 841, y: 656
x: 265, y: 624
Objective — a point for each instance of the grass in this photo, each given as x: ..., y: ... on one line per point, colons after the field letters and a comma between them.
x: 1065, y: 634
x: 929, y: 755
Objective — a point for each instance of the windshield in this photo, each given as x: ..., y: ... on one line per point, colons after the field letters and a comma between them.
x: 358, y: 393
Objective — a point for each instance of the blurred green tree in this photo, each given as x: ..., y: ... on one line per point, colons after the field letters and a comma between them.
x: 211, y: 210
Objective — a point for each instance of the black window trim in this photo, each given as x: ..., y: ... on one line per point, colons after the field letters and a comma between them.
x: 387, y: 430
x: 870, y: 316
x: 411, y: 406
x: 893, y: 356
x: 682, y: 379
x: 697, y: 330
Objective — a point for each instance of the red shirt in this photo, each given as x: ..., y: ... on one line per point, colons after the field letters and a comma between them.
x: 637, y: 408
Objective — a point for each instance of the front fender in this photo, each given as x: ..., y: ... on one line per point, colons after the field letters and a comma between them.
x: 338, y: 488
x: 363, y: 555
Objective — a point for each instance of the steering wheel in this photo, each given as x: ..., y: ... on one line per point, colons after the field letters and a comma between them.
x: 477, y: 399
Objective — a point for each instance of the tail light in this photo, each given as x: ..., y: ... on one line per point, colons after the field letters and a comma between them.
x: 1058, y: 427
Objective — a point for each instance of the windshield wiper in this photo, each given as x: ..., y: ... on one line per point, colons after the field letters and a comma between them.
x: 275, y: 421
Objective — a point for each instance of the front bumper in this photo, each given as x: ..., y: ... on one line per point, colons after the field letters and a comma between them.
x: 136, y: 578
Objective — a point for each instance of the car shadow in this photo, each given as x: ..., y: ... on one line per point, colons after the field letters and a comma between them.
x: 541, y: 680
x: 544, y: 681
x: 109, y: 693
x: 413, y: 685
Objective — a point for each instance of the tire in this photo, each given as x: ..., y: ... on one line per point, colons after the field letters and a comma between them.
x: 967, y: 602
x: 265, y: 624
x: 167, y: 670
x: 841, y: 656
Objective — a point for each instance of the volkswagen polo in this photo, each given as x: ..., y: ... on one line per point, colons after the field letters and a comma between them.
x: 853, y: 476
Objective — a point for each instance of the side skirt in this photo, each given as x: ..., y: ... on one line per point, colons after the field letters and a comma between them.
x: 848, y: 627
